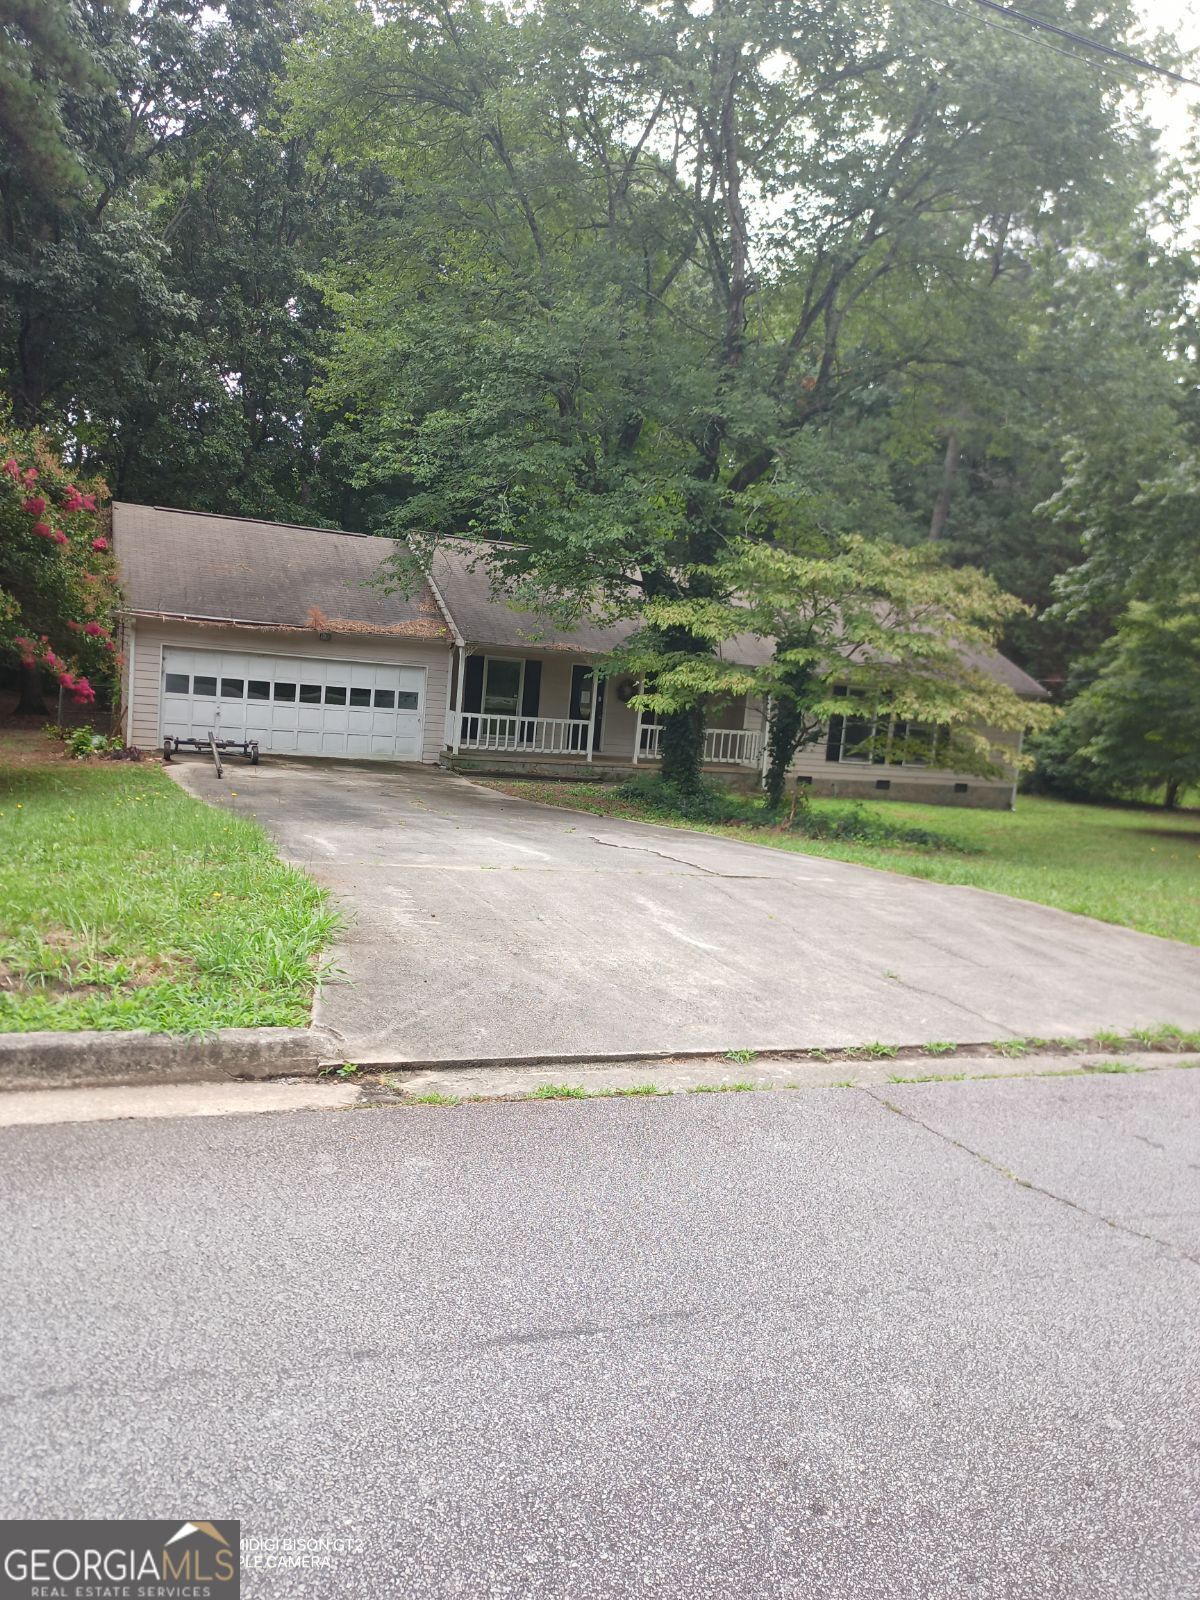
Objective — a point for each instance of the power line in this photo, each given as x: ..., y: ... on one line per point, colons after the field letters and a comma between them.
x: 1087, y: 44
x: 1017, y: 33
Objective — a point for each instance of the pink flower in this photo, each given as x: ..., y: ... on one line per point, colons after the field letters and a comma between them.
x: 93, y: 630
x: 75, y: 627
x: 83, y: 691
x: 52, y: 660
x: 43, y: 530
x: 35, y: 505
x: 29, y: 475
x: 73, y: 502
x: 28, y: 661
x: 11, y: 468
x: 59, y: 536
x: 99, y: 544
x: 67, y: 681
x: 89, y: 502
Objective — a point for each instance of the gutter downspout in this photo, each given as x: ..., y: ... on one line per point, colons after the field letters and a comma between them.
x: 591, y: 734
x: 459, y: 696
x: 130, y: 658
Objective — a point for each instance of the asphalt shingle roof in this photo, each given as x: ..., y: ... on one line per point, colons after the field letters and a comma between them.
x: 236, y: 569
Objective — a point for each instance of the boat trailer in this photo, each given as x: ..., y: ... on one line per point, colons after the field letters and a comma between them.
x: 215, y: 747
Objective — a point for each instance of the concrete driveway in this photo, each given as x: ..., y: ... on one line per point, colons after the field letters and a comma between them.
x: 482, y: 927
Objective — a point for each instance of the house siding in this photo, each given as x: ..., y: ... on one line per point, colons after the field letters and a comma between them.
x: 146, y: 638
x: 927, y: 785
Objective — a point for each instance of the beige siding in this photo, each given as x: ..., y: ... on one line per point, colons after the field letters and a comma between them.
x: 148, y: 637
x: 853, y: 779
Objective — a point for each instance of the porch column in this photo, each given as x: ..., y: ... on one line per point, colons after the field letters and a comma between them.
x: 458, y: 697
x: 637, y: 732
x: 764, y: 758
x: 591, y: 733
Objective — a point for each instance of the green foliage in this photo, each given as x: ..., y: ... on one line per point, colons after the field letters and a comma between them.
x: 1136, y: 726
x: 578, y: 337
x: 83, y: 742
x: 658, y: 797
x: 163, y: 305
x: 43, y: 59
x: 126, y: 904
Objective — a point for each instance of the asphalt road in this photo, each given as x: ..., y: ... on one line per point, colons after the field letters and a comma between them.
x: 935, y: 1340
x: 482, y: 926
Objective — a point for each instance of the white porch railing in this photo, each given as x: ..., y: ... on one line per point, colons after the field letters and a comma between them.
x: 545, y: 736
x: 739, y: 747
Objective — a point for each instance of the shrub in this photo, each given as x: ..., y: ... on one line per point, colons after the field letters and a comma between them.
x: 709, y: 803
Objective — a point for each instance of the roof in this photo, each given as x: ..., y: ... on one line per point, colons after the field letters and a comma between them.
x: 191, y: 564
x: 462, y: 578
x: 1006, y: 672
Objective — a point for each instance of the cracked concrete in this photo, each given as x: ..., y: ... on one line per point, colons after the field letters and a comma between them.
x: 480, y: 926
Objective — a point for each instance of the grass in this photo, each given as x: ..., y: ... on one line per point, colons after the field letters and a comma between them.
x: 124, y: 903
x: 1138, y: 868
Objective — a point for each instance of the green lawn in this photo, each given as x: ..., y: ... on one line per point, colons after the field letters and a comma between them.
x: 1140, y: 868
x: 126, y: 904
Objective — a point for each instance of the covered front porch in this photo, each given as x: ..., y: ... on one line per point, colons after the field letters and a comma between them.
x: 551, y: 710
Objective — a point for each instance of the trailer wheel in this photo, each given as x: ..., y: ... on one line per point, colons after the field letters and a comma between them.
x: 167, y: 748
x: 254, y: 755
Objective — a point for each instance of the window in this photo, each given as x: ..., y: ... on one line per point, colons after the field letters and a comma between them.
x: 502, y: 687
x: 205, y: 686
x: 310, y: 694
x: 882, y: 741
x: 233, y: 688
x: 177, y: 683
x: 360, y: 697
x: 258, y: 689
x: 385, y: 699
x: 285, y: 691
x: 335, y: 696
x: 407, y: 700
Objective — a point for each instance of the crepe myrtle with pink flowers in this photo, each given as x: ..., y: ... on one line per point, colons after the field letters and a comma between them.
x: 57, y: 576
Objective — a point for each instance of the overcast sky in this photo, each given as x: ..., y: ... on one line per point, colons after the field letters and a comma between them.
x: 1173, y: 107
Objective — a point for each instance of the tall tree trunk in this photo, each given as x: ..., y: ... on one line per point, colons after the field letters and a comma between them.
x: 30, y: 699
x: 788, y: 725
x: 681, y: 745
x: 941, y: 506
x: 1171, y: 798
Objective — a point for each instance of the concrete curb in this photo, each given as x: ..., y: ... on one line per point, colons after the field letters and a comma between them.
x: 93, y: 1060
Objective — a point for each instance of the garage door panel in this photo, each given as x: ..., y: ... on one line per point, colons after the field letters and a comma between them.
x: 292, y: 704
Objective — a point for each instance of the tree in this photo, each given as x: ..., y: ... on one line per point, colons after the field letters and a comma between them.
x: 57, y: 581
x: 893, y: 637
x: 643, y: 252
x: 162, y: 315
x: 43, y: 56
x: 1137, y: 725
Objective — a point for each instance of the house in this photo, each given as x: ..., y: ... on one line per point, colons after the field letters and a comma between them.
x: 282, y: 634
